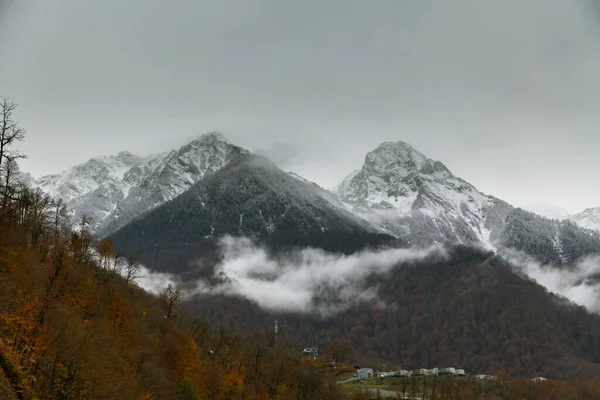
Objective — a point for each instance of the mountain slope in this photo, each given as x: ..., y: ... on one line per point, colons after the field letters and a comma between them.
x: 85, y: 178
x: 248, y: 197
x: 550, y: 241
x: 589, y: 218
x: 468, y: 311
x: 418, y: 199
x: 111, y: 191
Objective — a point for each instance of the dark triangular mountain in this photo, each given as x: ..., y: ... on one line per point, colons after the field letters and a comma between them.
x: 248, y: 197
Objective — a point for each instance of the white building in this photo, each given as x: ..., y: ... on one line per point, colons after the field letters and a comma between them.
x: 486, y: 377
x: 365, y: 373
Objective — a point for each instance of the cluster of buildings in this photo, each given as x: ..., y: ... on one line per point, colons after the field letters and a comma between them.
x: 459, y: 373
x: 426, y: 372
x: 365, y: 373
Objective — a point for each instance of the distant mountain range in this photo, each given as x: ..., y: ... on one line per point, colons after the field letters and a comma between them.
x: 419, y: 200
x: 589, y: 218
x: 212, y: 187
x: 469, y: 308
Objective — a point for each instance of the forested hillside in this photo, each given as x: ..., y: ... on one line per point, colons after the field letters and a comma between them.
x: 470, y: 311
x: 71, y: 327
x: 549, y: 241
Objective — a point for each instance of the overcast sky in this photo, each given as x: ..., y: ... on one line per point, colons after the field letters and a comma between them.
x: 505, y: 93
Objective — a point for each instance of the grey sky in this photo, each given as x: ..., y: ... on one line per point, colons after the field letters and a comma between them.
x: 505, y: 93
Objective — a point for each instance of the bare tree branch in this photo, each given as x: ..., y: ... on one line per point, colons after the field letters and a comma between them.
x: 10, y: 131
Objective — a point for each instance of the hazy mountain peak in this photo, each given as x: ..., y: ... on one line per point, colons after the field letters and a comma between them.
x: 397, y: 150
x: 398, y: 146
x: 418, y: 199
x: 401, y: 159
x: 411, y: 195
x: 112, y: 190
x: 588, y: 218
x: 128, y: 158
x: 211, y: 138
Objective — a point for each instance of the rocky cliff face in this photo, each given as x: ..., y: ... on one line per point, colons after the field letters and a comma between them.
x: 418, y: 199
x: 111, y: 191
x: 589, y: 218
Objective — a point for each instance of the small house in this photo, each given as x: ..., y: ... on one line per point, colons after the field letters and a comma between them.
x: 311, y: 352
x: 365, y: 373
x: 447, y: 371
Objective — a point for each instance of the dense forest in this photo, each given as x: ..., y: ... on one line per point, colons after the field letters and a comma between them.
x: 73, y: 325
x: 469, y: 311
x: 549, y: 241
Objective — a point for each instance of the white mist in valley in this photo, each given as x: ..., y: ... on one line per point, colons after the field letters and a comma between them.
x: 154, y: 281
x: 291, y: 282
x: 295, y: 281
x: 580, y: 283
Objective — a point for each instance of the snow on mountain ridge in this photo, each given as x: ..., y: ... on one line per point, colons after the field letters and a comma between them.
x: 89, y: 176
x: 419, y: 200
x: 113, y: 190
x: 589, y: 218
x: 398, y: 186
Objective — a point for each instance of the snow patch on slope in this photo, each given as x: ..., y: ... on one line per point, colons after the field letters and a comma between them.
x: 399, y: 187
x: 113, y: 190
x: 589, y: 218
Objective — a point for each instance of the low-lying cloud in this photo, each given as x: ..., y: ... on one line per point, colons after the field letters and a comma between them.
x: 580, y: 283
x: 314, y: 281
x: 294, y: 281
x: 307, y: 280
x: 155, y: 282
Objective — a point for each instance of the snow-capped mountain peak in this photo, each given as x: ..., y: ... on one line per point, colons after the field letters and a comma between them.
x: 395, y: 157
x: 113, y: 190
x: 405, y: 191
x: 211, y: 138
x: 418, y: 199
x: 89, y: 176
x: 589, y: 218
x: 396, y: 176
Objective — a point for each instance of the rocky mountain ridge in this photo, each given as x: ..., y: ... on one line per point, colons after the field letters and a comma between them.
x: 399, y: 191
x: 249, y: 197
x: 589, y: 218
x: 112, y: 191
x: 421, y: 201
